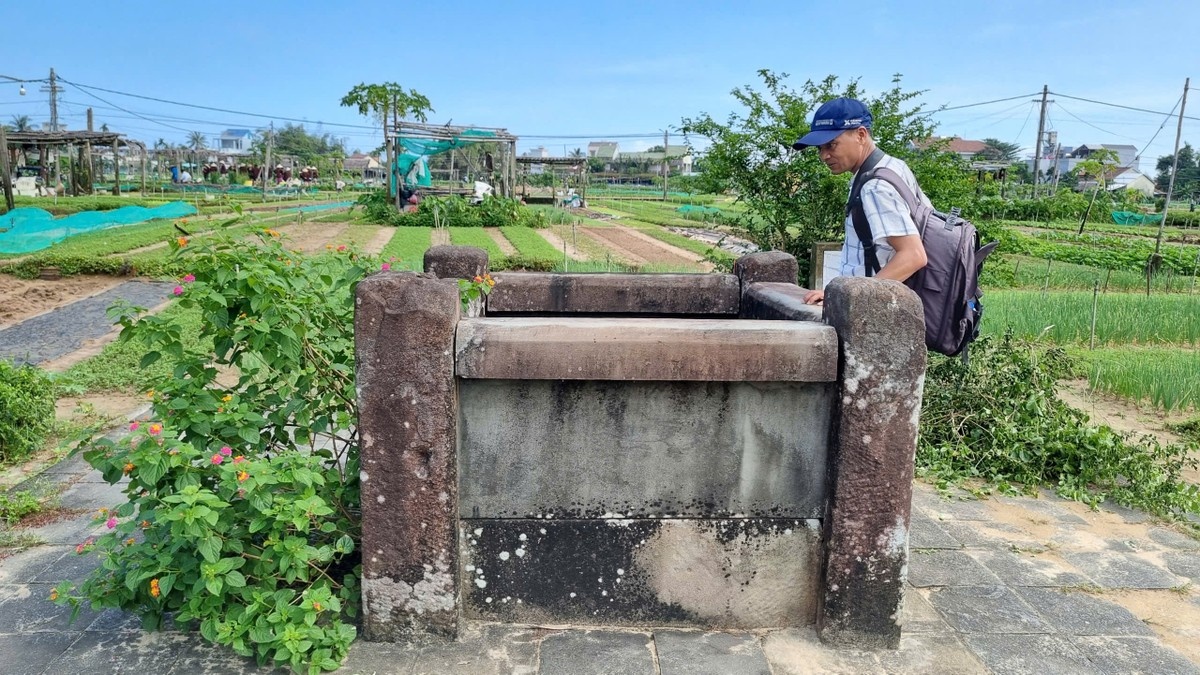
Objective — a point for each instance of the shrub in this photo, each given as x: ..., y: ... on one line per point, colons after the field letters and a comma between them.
x: 26, y: 410
x: 233, y: 520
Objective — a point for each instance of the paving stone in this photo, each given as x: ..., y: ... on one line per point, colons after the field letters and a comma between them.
x: 1130, y: 545
x: 32, y: 652
x: 798, y: 651
x: 1173, y: 539
x: 70, y: 530
x: 947, y: 568
x: 987, y: 609
x: 377, y: 658
x: 1183, y: 564
x: 1121, y: 655
x: 961, y: 509
x: 83, y: 495
x: 931, y: 655
x: 200, y: 657
x: 30, y: 610
x: 1130, y: 516
x: 1030, y: 655
x: 105, y: 653
x: 598, y: 652
x: 481, y: 649
x: 1024, y: 570
x: 1052, y: 509
x: 1122, y: 570
x: 694, y: 653
x: 70, y: 567
x: 971, y: 535
x: 1076, y: 613
x: 22, y: 566
x: 115, y: 621
x: 925, y: 532
x: 918, y: 616
x: 73, y: 465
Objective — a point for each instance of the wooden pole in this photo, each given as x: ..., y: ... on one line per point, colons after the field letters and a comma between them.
x: 87, y: 148
x: 267, y: 167
x: 116, y: 147
x: 1037, y: 148
x: 1095, y: 305
x: 143, y: 192
x: 5, y: 177
x: 1174, y: 168
x: 665, y: 170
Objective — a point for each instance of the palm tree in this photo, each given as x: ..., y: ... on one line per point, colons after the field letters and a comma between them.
x: 577, y: 152
x: 21, y: 123
x: 196, y: 142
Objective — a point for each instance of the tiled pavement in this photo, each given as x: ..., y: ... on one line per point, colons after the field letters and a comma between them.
x: 985, y: 594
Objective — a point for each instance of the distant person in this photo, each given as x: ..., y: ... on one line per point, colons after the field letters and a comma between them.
x: 174, y: 174
x: 841, y: 132
x: 185, y: 177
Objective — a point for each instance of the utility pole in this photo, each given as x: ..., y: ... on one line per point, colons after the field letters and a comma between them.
x: 1037, y: 148
x: 664, y: 165
x: 1174, y: 167
x: 267, y: 167
x: 53, y: 101
x: 4, y: 175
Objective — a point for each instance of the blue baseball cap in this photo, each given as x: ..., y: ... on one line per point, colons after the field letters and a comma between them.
x: 831, y: 119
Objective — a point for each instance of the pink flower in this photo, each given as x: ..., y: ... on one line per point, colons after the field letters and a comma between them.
x: 386, y: 266
x: 217, y: 459
x: 187, y: 279
x: 134, y: 426
x: 111, y: 522
x: 155, y: 429
x: 226, y: 450
x: 341, y: 247
x: 178, y: 290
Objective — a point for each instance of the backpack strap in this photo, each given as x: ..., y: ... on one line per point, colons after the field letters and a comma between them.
x: 858, y: 217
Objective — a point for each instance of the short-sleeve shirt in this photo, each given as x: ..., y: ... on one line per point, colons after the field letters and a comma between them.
x: 887, y: 214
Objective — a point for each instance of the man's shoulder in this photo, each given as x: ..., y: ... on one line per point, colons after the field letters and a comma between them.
x: 896, y: 165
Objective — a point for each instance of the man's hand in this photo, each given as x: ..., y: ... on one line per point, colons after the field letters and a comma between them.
x: 814, y: 297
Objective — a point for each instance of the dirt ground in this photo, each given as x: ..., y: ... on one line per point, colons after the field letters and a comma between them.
x: 21, y: 299
x: 639, y: 248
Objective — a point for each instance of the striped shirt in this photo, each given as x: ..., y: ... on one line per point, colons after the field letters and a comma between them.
x: 887, y: 214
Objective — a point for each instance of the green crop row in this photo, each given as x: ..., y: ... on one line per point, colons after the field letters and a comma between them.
x: 478, y: 237
x: 529, y: 243
x: 1164, y: 377
x: 1121, y: 318
x: 406, y: 249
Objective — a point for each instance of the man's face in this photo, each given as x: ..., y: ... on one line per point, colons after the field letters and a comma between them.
x: 845, y: 152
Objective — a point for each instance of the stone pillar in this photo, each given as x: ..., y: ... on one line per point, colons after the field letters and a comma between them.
x: 774, y: 266
x: 404, y: 327
x: 456, y: 262
x: 881, y: 331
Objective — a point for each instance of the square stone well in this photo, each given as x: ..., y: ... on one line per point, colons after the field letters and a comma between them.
x: 636, y: 449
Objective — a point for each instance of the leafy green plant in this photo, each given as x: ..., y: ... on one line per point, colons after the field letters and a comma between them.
x: 243, y: 502
x: 470, y: 290
x: 999, y: 420
x: 17, y: 504
x: 26, y: 410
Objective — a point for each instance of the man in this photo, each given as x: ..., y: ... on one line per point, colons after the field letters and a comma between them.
x: 841, y: 132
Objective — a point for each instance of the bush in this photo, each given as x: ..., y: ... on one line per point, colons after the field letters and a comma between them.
x: 999, y: 419
x: 26, y: 410
x: 233, y: 520
x: 451, y: 211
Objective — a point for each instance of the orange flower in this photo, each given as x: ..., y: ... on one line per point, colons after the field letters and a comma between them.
x: 145, y: 524
x: 128, y: 467
x: 53, y: 594
x: 317, y: 606
x: 242, y: 475
x: 155, y: 429
x: 154, y: 590
x: 130, y: 541
x: 183, y: 241
x: 227, y: 398
x: 478, y: 279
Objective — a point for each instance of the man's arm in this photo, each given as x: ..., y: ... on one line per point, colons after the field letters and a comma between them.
x: 909, y: 257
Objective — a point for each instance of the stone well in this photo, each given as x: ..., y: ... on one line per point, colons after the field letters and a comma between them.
x: 636, y: 449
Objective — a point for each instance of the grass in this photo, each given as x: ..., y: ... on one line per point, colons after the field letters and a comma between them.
x: 407, y: 246
x: 1121, y: 318
x: 1031, y: 273
x: 476, y: 236
x: 361, y: 235
x: 529, y: 243
x: 1164, y: 377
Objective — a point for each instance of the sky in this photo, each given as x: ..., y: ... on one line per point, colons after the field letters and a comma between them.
x: 560, y: 74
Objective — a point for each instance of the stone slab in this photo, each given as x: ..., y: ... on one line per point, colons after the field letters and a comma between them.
x: 24, y: 565
x: 1172, y: 539
x: 768, y: 266
x: 692, y: 653
x: 597, y: 652
x: 931, y: 655
x: 106, y: 653
x: 703, y: 350
x: 925, y: 532
x: 801, y: 652
x: 1122, y: 570
x: 201, y: 657
x: 1030, y: 655
x: 1077, y: 613
x: 714, y: 574
x: 627, y: 294
x: 1024, y: 570
x: 1053, y: 509
x: 1183, y: 564
x: 778, y: 301
x: 32, y: 653
x: 671, y: 449
x: 29, y: 610
x: 482, y: 650
x: 1118, y: 656
x: 378, y: 658
x: 947, y: 568
x: 918, y: 616
x: 987, y: 609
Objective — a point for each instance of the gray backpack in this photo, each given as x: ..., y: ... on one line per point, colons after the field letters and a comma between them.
x: 948, y: 285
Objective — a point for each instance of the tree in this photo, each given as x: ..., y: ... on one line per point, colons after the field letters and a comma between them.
x: 21, y: 123
x: 996, y: 150
x: 1098, y: 166
x: 381, y: 100
x: 196, y: 141
x: 793, y: 198
x: 1187, y: 180
x: 294, y: 139
x: 577, y: 152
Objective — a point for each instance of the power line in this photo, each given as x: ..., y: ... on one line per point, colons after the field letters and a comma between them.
x: 1110, y: 133
x: 1026, y: 122
x: 972, y: 105
x: 95, y: 96
x: 1125, y: 107
x: 1166, y: 119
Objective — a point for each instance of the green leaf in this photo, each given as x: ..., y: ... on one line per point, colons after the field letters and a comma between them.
x: 148, y: 359
x: 215, y: 585
x: 210, y: 548
x: 235, y: 579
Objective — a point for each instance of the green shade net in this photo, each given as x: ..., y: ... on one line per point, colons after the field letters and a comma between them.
x: 1131, y: 218
x: 413, y: 161
x: 29, y: 229
x: 697, y: 210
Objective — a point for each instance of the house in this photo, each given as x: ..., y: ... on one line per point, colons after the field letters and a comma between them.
x: 364, y: 165
x: 679, y: 159
x: 235, y: 141
x: 539, y: 152
x: 1064, y: 158
x: 1127, y: 155
x: 1132, y: 179
x: 962, y: 147
x: 604, y: 150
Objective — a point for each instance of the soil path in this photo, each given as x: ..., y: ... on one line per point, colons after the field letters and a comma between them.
x: 497, y: 236
x: 310, y: 237
x: 673, y: 250
x: 439, y: 237
x: 634, y: 245
x: 381, y: 239
x: 21, y: 299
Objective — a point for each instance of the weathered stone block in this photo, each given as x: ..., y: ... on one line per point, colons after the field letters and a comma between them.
x: 881, y: 328
x: 714, y: 573
x: 778, y: 301
x: 724, y: 350
x: 582, y: 294
x: 766, y: 266
x: 455, y: 262
x: 404, y: 333
x: 647, y: 449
